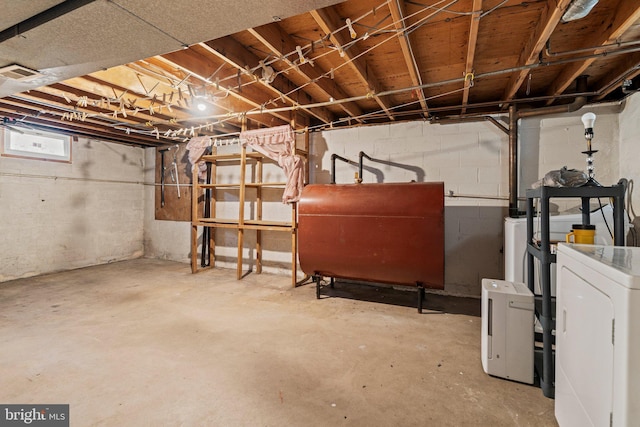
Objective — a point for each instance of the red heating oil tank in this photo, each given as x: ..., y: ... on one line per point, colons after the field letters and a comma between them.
x: 387, y: 233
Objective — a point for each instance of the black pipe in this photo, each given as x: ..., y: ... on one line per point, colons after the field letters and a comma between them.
x: 333, y: 165
x: 578, y: 103
x: 360, y: 164
x: 162, y: 175
x: 42, y: 18
x: 206, y: 231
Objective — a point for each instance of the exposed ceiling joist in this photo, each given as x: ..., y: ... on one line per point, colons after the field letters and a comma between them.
x: 548, y: 22
x: 397, y: 12
x: 281, y: 44
x: 237, y: 56
x: 246, y: 93
x: 624, y: 16
x: 471, y: 52
x: 328, y: 20
x: 343, y: 64
x: 628, y: 68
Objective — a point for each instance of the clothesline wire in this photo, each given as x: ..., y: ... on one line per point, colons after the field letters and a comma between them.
x: 345, y: 46
x: 235, y: 138
x: 221, y: 140
x: 192, y: 129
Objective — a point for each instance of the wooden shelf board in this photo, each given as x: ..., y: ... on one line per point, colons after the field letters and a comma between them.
x: 249, y: 184
x: 232, y: 156
x: 248, y: 224
x: 265, y: 184
x: 218, y: 185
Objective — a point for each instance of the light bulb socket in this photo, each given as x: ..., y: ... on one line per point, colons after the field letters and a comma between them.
x: 588, y: 133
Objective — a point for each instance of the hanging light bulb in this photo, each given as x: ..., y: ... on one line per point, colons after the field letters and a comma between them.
x: 588, y: 119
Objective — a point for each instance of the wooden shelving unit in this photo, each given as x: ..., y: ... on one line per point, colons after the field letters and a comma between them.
x: 241, y: 224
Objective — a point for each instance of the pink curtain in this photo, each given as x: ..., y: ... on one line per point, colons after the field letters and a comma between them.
x: 197, y: 146
x: 278, y: 143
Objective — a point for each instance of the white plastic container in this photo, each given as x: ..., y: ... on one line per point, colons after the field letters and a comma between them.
x: 507, y: 330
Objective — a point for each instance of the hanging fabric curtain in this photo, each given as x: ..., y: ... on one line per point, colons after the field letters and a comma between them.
x: 197, y: 146
x: 278, y: 143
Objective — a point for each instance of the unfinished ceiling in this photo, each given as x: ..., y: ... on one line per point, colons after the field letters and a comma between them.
x: 151, y: 73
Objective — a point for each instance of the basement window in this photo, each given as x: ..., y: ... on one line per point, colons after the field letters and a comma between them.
x: 36, y: 144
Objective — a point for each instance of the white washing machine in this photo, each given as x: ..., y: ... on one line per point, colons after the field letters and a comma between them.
x: 597, y: 336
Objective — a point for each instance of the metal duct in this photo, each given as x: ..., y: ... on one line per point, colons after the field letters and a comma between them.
x: 578, y: 9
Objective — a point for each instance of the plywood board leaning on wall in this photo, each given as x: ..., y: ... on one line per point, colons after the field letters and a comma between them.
x: 175, y: 208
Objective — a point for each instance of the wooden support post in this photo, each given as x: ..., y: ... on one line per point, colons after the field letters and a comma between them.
x: 241, y: 197
x: 212, y: 230
x: 195, y: 192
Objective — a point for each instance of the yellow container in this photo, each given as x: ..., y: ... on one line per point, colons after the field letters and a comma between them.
x: 582, y: 233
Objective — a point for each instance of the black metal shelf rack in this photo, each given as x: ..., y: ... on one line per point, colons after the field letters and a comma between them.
x: 545, y: 308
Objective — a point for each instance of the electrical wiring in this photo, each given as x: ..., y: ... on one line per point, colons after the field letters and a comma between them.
x: 631, y: 215
x: 604, y: 218
x: 630, y: 211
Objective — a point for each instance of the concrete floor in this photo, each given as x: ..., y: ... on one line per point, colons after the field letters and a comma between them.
x: 146, y: 343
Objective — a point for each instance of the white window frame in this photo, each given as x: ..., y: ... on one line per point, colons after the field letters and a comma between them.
x: 13, y: 144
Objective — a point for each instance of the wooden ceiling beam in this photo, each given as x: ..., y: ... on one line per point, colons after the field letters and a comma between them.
x: 154, y: 69
x: 471, y: 52
x: 397, y: 9
x: 549, y: 20
x: 236, y: 55
x: 628, y: 68
x: 57, y: 91
x: 200, y: 69
x: 281, y: 44
x: 328, y: 20
x: 18, y: 109
x: 51, y: 98
x: 95, y: 88
x: 621, y: 19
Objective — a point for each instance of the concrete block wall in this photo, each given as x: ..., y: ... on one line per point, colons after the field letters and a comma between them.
x: 550, y: 142
x: 59, y: 216
x: 629, y: 160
